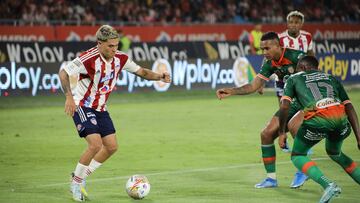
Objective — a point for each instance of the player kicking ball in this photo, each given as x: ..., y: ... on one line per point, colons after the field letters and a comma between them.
x: 98, y: 70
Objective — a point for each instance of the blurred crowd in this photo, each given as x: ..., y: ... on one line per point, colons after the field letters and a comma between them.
x: 176, y: 11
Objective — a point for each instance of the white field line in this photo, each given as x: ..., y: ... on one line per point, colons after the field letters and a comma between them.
x: 179, y: 172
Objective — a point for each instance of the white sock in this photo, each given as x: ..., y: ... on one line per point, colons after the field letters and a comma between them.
x: 92, y: 167
x: 79, y: 173
x: 272, y: 175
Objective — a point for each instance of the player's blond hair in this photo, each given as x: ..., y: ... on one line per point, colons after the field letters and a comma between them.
x: 106, y: 32
x: 295, y: 13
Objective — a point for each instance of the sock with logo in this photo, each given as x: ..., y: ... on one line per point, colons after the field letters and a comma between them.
x: 269, y: 158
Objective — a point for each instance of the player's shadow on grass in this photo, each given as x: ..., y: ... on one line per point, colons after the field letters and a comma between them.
x: 299, y: 192
x: 123, y: 198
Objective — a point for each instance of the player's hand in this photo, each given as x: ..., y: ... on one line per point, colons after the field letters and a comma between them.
x: 70, y: 106
x: 282, y: 140
x: 223, y: 93
x: 261, y: 90
x: 166, y: 77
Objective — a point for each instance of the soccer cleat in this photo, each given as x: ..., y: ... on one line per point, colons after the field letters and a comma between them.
x: 83, y: 186
x: 76, y: 192
x: 331, y: 191
x: 310, y: 152
x: 267, y: 183
x: 299, y: 179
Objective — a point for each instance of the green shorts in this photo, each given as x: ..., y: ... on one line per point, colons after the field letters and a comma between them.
x: 294, y: 108
x: 311, y: 134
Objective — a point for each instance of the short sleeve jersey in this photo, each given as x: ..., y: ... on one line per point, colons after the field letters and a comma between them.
x: 97, y: 77
x: 286, y: 65
x: 315, y: 90
x: 302, y: 42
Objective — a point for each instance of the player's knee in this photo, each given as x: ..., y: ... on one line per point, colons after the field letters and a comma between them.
x: 294, y: 158
x: 266, y: 136
x: 333, y: 155
x: 95, y: 147
x: 112, y: 148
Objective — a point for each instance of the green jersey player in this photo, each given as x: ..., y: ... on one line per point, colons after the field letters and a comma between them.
x: 328, y: 115
x: 282, y: 62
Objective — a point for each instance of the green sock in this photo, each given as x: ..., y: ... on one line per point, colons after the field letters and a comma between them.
x: 308, y: 167
x: 269, y: 157
x: 348, y: 164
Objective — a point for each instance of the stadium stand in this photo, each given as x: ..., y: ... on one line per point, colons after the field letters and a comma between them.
x: 135, y: 12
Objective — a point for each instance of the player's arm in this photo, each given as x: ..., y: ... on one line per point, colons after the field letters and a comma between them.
x: 310, y: 51
x: 283, y: 115
x: 350, y: 111
x: 243, y: 90
x: 284, y: 110
x: 65, y: 83
x: 150, y: 75
x: 353, y: 119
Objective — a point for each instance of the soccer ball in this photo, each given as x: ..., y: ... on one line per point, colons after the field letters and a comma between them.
x: 138, y: 187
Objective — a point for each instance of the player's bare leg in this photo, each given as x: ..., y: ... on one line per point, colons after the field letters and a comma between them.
x: 268, y: 135
x: 108, y: 148
x: 295, y: 123
x: 77, y: 186
x: 94, y: 146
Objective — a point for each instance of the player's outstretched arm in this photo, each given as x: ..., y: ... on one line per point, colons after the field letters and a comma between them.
x: 243, y: 90
x: 353, y: 119
x: 150, y: 75
x: 69, y: 102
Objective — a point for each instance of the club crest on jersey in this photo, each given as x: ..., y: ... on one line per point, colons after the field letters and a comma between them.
x: 107, y: 77
x: 93, y: 121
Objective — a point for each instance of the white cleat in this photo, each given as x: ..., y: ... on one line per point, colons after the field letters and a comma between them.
x: 77, y: 194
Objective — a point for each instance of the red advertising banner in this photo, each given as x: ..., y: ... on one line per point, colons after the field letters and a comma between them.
x: 27, y: 33
x: 223, y: 32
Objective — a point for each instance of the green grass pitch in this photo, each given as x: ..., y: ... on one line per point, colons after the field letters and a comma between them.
x: 192, y: 147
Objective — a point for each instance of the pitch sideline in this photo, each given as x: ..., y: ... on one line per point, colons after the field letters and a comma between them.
x: 179, y: 172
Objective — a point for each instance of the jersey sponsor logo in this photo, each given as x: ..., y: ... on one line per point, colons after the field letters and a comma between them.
x: 107, y: 77
x: 104, y: 89
x: 327, y: 102
x: 90, y: 114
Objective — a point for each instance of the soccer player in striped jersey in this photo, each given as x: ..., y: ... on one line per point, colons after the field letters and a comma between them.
x: 294, y: 37
x: 98, y: 70
x: 328, y: 115
x: 280, y: 61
